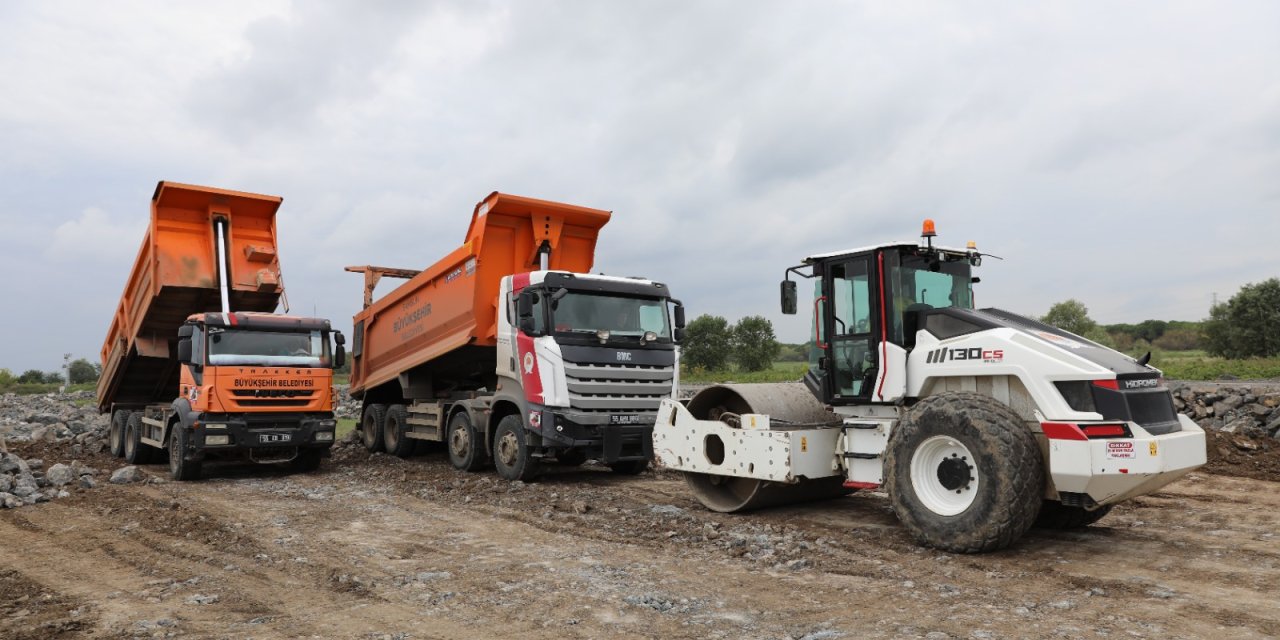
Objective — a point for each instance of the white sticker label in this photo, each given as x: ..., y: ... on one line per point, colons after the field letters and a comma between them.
x: 1120, y: 450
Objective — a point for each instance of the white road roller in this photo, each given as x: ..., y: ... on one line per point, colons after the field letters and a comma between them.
x: 976, y: 423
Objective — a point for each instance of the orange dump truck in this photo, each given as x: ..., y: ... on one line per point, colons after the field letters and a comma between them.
x: 195, y: 364
x: 510, y: 351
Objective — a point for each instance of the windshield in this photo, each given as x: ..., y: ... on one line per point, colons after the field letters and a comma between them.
x: 271, y: 348
x: 619, y: 315
x: 926, y: 282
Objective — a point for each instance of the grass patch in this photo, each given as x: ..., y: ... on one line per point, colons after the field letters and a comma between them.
x: 37, y: 388
x: 1195, y: 365
x: 779, y: 372
x: 342, y: 378
x: 345, y: 426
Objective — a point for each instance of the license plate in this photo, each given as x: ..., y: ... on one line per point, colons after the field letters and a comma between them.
x: 275, y: 437
x: 626, y: 419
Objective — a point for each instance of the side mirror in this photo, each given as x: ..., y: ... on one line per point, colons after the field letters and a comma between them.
x: 528, y: 326
x: 789, y: 297
x: 186, y: 331
x: 340, y: 355
x: 524, y: 306
x: 679, y: 334
x: 184, y: 348
x: 339, y: 338
x: 679, y: 314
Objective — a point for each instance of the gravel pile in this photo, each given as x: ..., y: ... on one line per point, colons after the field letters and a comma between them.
x: 1247, y: 410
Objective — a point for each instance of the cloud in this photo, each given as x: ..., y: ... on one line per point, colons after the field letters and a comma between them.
x: 96, y: 238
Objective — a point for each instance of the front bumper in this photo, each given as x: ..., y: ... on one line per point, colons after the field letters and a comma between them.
x: 1110, y: 470
x: 600, y: 440
x: 224, y: 432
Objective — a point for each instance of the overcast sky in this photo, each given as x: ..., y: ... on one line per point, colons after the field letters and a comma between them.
x: 1124, y: 154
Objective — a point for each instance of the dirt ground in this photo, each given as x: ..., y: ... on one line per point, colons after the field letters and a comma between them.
x: 377, y: 547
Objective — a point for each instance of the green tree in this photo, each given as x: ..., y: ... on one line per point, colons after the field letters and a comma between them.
x: 1248, y: 324
x: 707, y: 343
x: 7, y: 378
x: 1070, y: 315
x: 754, y: 345
x: 31, y: 376
x: 82, y: 371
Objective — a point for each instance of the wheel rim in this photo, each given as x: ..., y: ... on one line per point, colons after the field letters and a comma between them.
x: 460, y: 442
x: 944, y: 475
x: 508, y: 449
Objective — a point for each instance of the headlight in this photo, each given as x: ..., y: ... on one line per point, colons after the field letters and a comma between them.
x: 324, y: 436
x: 215, y: 425
x: 328, y: 424
x: 217, y: 440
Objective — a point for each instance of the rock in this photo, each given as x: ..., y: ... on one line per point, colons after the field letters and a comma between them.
x: 86, y: 482
x: 580, y: 507
x: 1227, y: 376
x: 428, y: 576
x: 666, y: 510
x: 125, y: 475
x: 38, y: 434
x: 10, y: 501
x: 24, y: 485
x: 1257, y: 410
x: 6, y: 483
x: 1244, y: 425
x: 200, y: 598
x: 60, y: 474
x: 35, y: 464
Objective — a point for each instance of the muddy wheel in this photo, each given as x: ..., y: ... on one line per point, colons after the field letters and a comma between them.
x: 179, y: 467
x: 371, y: 426
x: 115, y: 436
x: 964, y: 473
x: 571, y: 457
x: 1055, y: 515
x: 511, y: 454
x: 307, y: 460
x: 629, y: 467
x: 466, y: 447
x: 134, y: 450
x: 394, y: 427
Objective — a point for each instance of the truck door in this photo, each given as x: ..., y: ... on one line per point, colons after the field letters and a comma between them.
x: 851, y: 359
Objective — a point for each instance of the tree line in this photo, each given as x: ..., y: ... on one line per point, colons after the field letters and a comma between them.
x: 1245, y: 326
x: 712, y: 344
x: 80, y: 371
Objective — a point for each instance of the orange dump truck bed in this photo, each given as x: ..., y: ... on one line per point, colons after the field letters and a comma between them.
x: 454, y: 302
x: 176, y: 275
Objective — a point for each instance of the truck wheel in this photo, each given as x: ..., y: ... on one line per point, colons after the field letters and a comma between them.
x: 179, y: 467
x: 134, y: 451
x: 371, y: 426
x: 393, y: 432
x: 466, y: 448
x: 964, y: 473
x: 511, y: 453
x: 115, y: 436
x: 1055, y: 515
x: 571, y: 457
x: 629, y: 467
x: 307, y: 460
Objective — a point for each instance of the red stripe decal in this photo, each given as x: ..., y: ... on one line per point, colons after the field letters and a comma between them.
x: 519, y: 281
x: 1062, y: 431
x: 884, y: 334
x: 231, y: 318
x: 527, y: 361
x: 850, y: 484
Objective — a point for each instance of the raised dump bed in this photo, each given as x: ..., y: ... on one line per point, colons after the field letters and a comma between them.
x: 176, y: 275
x: 453, y: 304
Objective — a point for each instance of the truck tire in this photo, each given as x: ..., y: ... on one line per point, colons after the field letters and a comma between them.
x: 1055, y: 515
x: 466, y: 447
x: 180, y: 468
x: 134, y: 451
x: 371, y: 426
x: 964, y: 474
x: 629, y: 467
x: 511, y: 454
x: 394, y: 427
x: 307, y: 460
x: 115, y: 436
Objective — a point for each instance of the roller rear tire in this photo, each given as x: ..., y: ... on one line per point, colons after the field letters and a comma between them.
x: 964, y: 473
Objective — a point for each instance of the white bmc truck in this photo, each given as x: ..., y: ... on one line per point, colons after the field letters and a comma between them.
x: 976, y: 423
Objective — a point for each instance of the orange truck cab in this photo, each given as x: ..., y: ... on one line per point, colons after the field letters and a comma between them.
x: 183, y: 375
